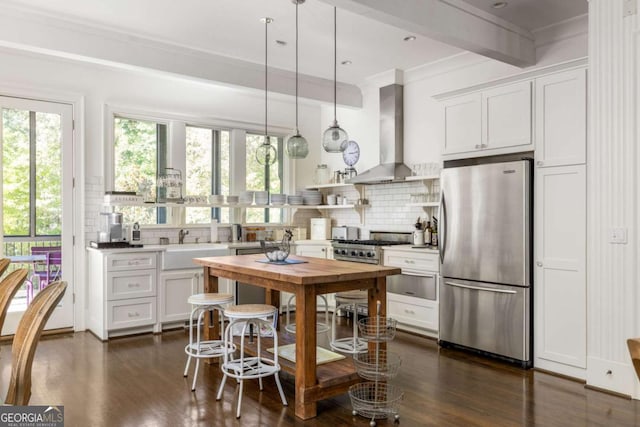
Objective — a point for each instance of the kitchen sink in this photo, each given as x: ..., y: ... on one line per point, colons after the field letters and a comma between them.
x: 176, y: 257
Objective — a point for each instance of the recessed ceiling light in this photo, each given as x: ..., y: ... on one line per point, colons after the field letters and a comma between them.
x: 409, y: 38
x: 281, y: 42
x: 499, y: 4
x: 346, y: 62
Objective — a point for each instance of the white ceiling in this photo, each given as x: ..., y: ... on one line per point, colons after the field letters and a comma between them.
x: 232, y: 28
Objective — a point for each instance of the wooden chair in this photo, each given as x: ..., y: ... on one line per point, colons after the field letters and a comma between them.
x: 4, y: 264
x: 26, y: 338
x: 634, y: 351
x: 8, y: 288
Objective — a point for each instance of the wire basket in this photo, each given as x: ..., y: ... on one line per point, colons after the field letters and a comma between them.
x: 375, y: 400
x: 275, y: 251
x: 377, y: 365
x: 378, y: 328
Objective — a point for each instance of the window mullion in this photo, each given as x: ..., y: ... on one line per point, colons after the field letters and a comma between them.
x: 32, y: 173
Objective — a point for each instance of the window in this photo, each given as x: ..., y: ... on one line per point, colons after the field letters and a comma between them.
x: 262, y: 177
x: 207, y: 170
x: 140, y: 151
x: 32, y: 173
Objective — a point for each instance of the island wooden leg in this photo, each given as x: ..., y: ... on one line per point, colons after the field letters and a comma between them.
x: 305, y: 352
x: 378, y: 293
x: 211, y: 330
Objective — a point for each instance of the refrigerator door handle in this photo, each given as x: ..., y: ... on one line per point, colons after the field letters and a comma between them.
x: 478, y: 288
x: 443, y: 226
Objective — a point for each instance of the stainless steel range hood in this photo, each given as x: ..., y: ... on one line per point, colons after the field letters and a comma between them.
x: 391, y: 167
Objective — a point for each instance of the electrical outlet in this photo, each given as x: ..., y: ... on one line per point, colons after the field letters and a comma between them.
x: 618, y: 235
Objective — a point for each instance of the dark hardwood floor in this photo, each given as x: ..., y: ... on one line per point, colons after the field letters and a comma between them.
x: 137, y: 381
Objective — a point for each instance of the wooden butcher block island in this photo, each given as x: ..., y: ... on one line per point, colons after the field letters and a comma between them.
x: 306, y: 280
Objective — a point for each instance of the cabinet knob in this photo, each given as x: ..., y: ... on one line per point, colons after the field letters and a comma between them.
x: 540, y: 163
x: 478, y: 146
x: 323, y: 249
x: 134, y: 285
x: 136, y: 314
x: 539, y: 264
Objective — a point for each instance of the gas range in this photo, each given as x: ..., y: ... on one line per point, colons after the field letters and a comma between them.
x: 367, y: 251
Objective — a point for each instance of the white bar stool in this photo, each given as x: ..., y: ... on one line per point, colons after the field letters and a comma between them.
x: 242, y: 367
x: 321, y: 327
x: 211, y: 349
x: 349, y: 300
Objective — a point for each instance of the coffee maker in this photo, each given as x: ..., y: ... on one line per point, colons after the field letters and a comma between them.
x: 111, y: 229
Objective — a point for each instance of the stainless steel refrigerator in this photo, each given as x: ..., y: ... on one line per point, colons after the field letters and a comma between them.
x: 485, y: 255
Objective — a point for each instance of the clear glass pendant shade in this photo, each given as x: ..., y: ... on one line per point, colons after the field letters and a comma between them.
x: 266, y: 154
x: 335, y: 139
x: 297, y: 146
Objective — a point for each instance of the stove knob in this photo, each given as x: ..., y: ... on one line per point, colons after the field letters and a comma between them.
x: 343, y: 252
x: 336, y: 251
x: 360, y: 253
x: 353, y: 253
x: 370, y: 254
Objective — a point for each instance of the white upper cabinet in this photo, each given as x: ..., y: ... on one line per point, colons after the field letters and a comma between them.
x: 506, y: 116
x: 494, y: 121
x: 561, y: 118
x: 462, y: 124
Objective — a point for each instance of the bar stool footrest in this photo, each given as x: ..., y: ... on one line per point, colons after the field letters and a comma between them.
x: 209, y: 349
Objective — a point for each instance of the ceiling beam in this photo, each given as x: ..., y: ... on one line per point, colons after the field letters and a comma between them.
x: 452, y: 22
x: 53, y: 36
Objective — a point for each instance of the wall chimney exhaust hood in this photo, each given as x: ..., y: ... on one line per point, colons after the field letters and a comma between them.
x: 391, y: 167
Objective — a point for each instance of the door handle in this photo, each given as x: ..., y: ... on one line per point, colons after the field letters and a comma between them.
x: 443, y: 226
x: 478, y: 288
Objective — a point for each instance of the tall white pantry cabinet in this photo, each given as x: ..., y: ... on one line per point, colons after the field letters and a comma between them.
x: 544, y: 111
x: 560, y: 291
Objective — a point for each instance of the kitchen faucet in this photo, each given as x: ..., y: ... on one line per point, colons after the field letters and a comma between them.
x: 181, y: 235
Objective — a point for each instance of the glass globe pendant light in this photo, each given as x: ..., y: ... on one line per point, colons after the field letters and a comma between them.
x: 266, y: 153
x: 297, y: 146
x: 335, y: 139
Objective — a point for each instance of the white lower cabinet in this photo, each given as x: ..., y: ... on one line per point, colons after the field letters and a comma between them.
x: 122, y: 292
x: 175, y: 289
x: 412, y: 298
x: 560, y: 322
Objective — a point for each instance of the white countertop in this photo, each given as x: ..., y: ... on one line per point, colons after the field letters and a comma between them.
x: 189, y: 246
x: 412, y: 248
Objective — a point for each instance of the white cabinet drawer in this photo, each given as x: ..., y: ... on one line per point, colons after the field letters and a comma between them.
x: 131, y: 261
x: 406, y: 311
x: 411, y: 261
x: 129, y: 284
x: 131, y: 313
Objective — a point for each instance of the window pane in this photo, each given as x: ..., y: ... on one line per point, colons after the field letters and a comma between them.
x: 48, y: 184
x: 15, y: 184
x: 136, y: 164
x: 199, y: 157
x: 225, y: 149
x: 260, y: 178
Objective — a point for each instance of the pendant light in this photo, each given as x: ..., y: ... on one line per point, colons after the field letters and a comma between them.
x: 266, y: 153
x: 297, y: 146
x: 335, y: 139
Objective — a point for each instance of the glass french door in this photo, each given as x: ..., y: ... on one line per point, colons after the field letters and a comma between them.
x: 36, y: 199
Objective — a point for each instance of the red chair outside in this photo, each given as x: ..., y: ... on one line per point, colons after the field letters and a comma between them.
x: 51, y: 269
